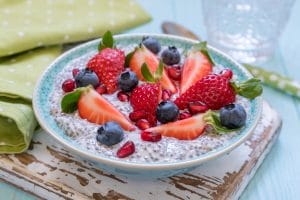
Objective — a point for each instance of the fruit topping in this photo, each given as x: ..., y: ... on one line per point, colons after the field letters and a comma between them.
x: 136, y: 115
x: 152, y: 44
x: 127, y: 81
x: 122, y: 96
x: 150, y: 136
x: 110, y: 133
x: 68, y: 85
x: 233, y: 116
x: 101, y: 89
x: 142, y: 124
x: 126, y: 150
x: 171, y: 56
x: 197, y: 107
x: 174, y: 73
x: 86, y: 77
x: 166, y: 95
x: 75, y: 71
x: 227, y: 73
x: 184, y: 115
x: 167, y: 111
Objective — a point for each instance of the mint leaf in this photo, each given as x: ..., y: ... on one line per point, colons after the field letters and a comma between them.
x: 213, y: 119
x: 128, y: 58
x: 70, y: 100
x: 249, y: 89
x: 159, y: 71
x: 147, y: 74
x: 107, y: 41
x: 202, y: 46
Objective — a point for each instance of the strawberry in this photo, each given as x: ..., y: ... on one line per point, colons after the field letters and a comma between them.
x: 196, y: 66
x: 94, y: 108
x: 186, y: 129
x: 108, y: 65
x: 143, y: 55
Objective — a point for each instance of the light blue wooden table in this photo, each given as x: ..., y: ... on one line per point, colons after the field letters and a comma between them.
x: 279, y: 175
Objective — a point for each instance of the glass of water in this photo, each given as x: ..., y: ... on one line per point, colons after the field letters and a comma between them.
x: 248, y: 30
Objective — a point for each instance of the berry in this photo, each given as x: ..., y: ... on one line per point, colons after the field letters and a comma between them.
x: 197, y: 107
x: 123, y: 96
x: 110, y: 133
x: 233, y: 116
x: 167, y: 111
x: 186, y: 129
x: 227, y: 73
x: 171, y: 56
x: 174, y: 73
x: 143, y: 55
x: 101, y: 89
x: 128, y: 81
x: 86, y: 77
x: 94, y: 108
x: 150, y: 136
x: 136, y: 115
x: 68, y: 85
x: 126, y: 150
x: 195, y: 67
x: 166, y: 95
x: 213, y: 90
x: 152, y: 44
x: 75, y: 71
x: 142, y: 124
x: 108, y: 65
x: 184, y: 115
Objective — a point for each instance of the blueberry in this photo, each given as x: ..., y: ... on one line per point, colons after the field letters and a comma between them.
x: 233, y: 116
x: 152, y: 44
x: 86, y: 77
x: 110, y: 133
x: 171, y: 56
x: 167, y: 111
x: 127, y: 81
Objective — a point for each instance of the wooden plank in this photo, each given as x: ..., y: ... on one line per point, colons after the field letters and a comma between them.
x: 49, y: 171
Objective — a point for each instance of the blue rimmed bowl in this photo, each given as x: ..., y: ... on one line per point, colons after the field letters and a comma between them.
x: 45, y: 86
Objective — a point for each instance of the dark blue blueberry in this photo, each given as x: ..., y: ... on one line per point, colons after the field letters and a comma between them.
x: 167, y: 111
x: 171, y: 56
x: 86, y: 77
x: 233, y: 116
x: 110, y: 133
x: 152, y: 44
x: 127, y: 81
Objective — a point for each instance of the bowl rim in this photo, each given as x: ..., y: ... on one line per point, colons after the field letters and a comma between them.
x: 136, y: 165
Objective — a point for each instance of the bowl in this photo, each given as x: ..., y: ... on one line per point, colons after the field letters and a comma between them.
x: 45, y: 87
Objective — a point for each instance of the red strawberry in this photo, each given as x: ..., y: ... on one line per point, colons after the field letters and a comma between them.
x: 143, y: 55
x: 213, y: 90
x: 186, y: 129
x: 195, y: 67
x: 108, y: 65
x: 146, y: 98
x: 94, y: 108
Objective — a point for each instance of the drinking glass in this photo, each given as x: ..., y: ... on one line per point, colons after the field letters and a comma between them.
x: 248, y: 30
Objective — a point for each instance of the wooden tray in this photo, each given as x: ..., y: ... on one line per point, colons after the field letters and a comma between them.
x: 49, y: 171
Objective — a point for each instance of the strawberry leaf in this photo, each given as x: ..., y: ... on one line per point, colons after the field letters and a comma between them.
x: 249, y: 89
x: 147, y: 74
x: 70, y: 100
x: 159, y: 71
x: 202, y: 46
x: 128, y: 58
x: 107, y: 41
x: 213, y: 119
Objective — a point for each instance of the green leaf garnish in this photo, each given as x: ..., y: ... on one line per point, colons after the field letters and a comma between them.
x: 159, y: 71
x: 202, y: 46
x: 213, y: 119
x: 249, y: 89
x: 70, y: 100
x: 107, y: 41
x: 147, y: 74
x: 128, y: 58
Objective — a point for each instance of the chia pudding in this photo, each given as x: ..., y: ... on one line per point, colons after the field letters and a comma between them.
x: 168, y: 149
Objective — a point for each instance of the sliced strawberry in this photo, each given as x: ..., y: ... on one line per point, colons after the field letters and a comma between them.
x: 186, y: 129
x: 195, y: 67
x: 94, y: 108
x: 143, y: 55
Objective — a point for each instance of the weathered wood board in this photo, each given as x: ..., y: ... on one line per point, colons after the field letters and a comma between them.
x: 51, y: 172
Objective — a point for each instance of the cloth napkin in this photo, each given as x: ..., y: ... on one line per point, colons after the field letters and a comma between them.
x: 30, y: 24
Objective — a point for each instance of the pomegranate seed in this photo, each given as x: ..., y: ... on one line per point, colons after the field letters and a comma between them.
x: 142, y: 124
x: 75, y: 72
x: 166, y: 95
x: 150, y: 136
x: 127, y: 149
x: 227, y: 73
x: 68, y: 85
x: 101, y: 89
x: 184, y: 115
x: 122, y: 96
x: 136, y: 115
x: 197, y: 107
x: 174, y: 73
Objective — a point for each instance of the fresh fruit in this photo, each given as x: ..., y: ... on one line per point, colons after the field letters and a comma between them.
x: 101, y: 89
x: 110, y: 133
x: 94, y: 108
x: 227, y: 73
x: 68, y: 85
x: 126, y: 150
x: 233, y: 116
x: 195, y: 67
x: 150, y: 136
x: 108, y: 65
x: 197, y: 107
x: 166, y: 95
x: 171, y: 56
x: 142, y: 124
x: 75, y: 71
x: 174, y: 72
x: 122, y: 96
x: 167, y: 111
x: 86, y: 77
x: 184, y: 115
x: 143, y: 55
x: 136, y: 115
x: 127, y: 81
x: 152, y: 44
x: 186, y: 129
